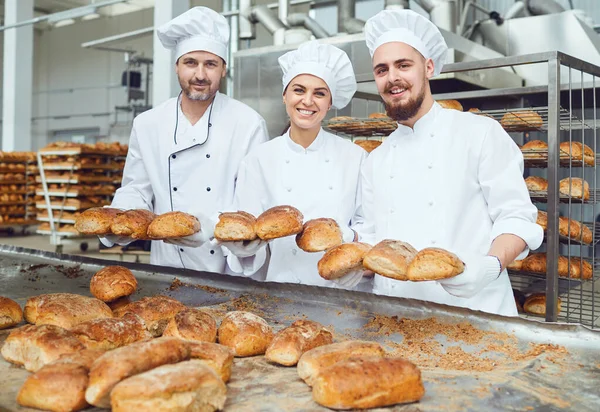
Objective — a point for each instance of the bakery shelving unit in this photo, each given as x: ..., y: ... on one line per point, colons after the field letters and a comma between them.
x: 74, y: 177
x: 17, y: 187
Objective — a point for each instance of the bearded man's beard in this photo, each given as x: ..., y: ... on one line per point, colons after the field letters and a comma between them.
x: 401, y: 112
x: 198, y: 96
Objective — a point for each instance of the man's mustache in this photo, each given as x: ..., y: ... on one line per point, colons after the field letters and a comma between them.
x: 201, y: 83
x: 390, y: 86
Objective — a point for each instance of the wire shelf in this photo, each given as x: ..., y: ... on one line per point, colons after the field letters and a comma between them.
x: 529, y: 119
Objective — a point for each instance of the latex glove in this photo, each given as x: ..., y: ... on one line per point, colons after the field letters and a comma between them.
x: 351, y: 280
x: 111, y: 240
x: 245, y: 248
x: 206, y: 233
x: 479, y: 272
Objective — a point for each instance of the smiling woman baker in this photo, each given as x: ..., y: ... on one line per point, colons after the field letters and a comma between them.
x: 308, y: 168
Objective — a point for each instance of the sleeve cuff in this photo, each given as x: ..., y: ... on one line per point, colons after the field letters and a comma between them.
x: 531, y: 233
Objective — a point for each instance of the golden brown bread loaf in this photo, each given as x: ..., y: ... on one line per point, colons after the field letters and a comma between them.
x: 59, y: 386
x: 586, y: 234
x: 536, y: 263
x: 96, y: 220
x: 119, y: 303
x: 319, y: 235
x: 516, y: 265
x: 133, y: 223
x: 113, y: 282
x: 535, y: 149
x: 218, y: 357
x: 526, y: 119
x: 156, y: 311
x: 111, y: 333
x: 173, y: 225
x: 390, y: 258
x: 536, y: 304
x: 341, y: 260
x: 434, y: 264
x: 368, y: 382
x: 121, y: 363
x: 450, y: 104
x: 184, y: 386
x: 34, y: 346
x: 542, y: 219
x: 316, y: 360
x: 246, y: 333
x: 11, y: 313
x: 569, y: 228
x: 235, y: 227
x: 379, y: 116
x: 579, y: 151
x: 289, y: 344
x: 368, y: 145
x: 575, y: 187
x: 192, y: 324
x: 64, y: 309
x: 581, y: 269
x: 536, y: 184
x: 279, y: 221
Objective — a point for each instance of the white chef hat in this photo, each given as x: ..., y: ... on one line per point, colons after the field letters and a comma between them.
x: 199, y: 28
x: 326, y: 62
x: 408, y: 27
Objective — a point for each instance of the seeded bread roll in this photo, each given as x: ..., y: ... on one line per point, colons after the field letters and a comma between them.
x: 535, y: 149
x: 289, y: 344
x: 279, y: 221
x: 575, y: 187
x: 111, y: 333
x: 434, y: 264
x: 119, y: 303
x: 341, y: 260
x: 64, y: 309
x: 451, y: 104
x: 96, y: 221
x: 11, y: 313
x: 319, y: 235
x: 536, y: 263
x: 246, y: 333
x: 113, y: 282
x: 390, y: 258
x: 379, y: 116
x: 579, y: 151
x: 525, y: 119
x: 218, y: 357
x: 133, y: 223
x: 542, y: 219
x: 235, y: 227
x: 172, y: 225
x: 536, y: 304
x: 156, y: 311
x: 580, y: 269
x: 536, y: 184
x: 192, y: 324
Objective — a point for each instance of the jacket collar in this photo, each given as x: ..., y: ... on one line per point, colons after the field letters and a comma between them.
x: 314, y: 146
x: 424, y: 125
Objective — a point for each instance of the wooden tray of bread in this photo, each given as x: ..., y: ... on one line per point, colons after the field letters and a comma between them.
x: 74, y: 204
x: 75, y: 178
x: 377, y: 125
x: 17, y: 157
x: 70, y: 148
x: 64, y: 230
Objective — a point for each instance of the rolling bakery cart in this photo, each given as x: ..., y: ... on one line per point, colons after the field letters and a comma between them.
x: 17, y: 187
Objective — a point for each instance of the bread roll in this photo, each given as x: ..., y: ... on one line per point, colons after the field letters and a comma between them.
x: 379, y: 116
x: 536, y: 184
x: 341, y: 260
x: 11, y: 313
x: 235, y: 227
x: 218, y: 357
x: 64, y: 309
x: 111, y: 333
x: 581, y: 269
x: 569, y: 228
x: 121, y: 363
x: 279, y: 221
x: 579, y: 151
x: 316, y: 360
x: 575, y: 187
x: 517, y: 265
x: 536, y: 263
x: 185, y: 386
x: 60, y: 385
x: 390, y: 258
x: 173, y: 225
x: 156, y: 311
x: 246, y: 333
x: 526, y: 119
x: 34, y: 346
x: 289, y: 344
x: 586, y: 235
x: 368, y: 382
x: 319, y: 235
x: 542, y: 219
x: 119, y: 303
x: 368, y: 145
x: 535, y: 149
x: 434, y: 264
x: 113, y: 282
x: 192, y: 324
x: 451, y: 104
x: 536, y: 304
x: 96, y: 221
x: 133, y: 223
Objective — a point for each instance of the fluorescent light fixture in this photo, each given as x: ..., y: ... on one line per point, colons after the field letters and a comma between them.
x: 91, y: 16
x: 64, y: 22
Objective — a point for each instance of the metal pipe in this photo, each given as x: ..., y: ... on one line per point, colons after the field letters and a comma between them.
x: 347, y: 22
x: 539, y: 7
x: 441, y: 12
x: 515, y: 11
x: 262, y: 14
x: 283, y: 10
x: 299, y: 19
x: 396, y: 4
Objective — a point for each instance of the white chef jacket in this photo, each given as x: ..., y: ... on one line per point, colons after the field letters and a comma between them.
x: 173, y: 165
x: 320, y: 181
x: 455, y: 181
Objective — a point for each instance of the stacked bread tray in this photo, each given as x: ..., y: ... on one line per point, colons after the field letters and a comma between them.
x: 378, y: 124
x: 17, y: 181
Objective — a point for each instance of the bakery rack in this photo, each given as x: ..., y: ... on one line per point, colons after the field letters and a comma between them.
x: 74, y: 177
x: 17, y: 186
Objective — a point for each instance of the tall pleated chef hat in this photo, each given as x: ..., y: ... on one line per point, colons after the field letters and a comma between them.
x: 408, y: 27
x: 198, y: 29
x: 326, y: 62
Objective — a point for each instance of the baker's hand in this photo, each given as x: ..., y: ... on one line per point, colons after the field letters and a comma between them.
x: 245, y: 248
x: 111, y: 240
x: 479, y: 272
x: 352, y: 279
x: 206, y: 233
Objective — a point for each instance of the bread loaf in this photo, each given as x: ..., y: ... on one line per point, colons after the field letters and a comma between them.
x: 121, y: 363
x: 185, y: 386
x: 535, y: 149
x: 34, y: 346
x: 119, y: 303
x: 575, y: 187
x: 517, y: 265
x: 578, y: 151
x: 586, y: 235
x: 246, y: 333
x: 173, y: 225
x: 156, y: 312
x: 96, y: 221
x: 218, y: 357
x: 434, y: 264
x: 542, y: 219
x: 580, y: 269
x: 110, y: 333
x: 279, y: 221
x: 569, y: 228
x: 235, y: 227
x: 451, y: 104
x: 64, y: 309
x: 133, y: 223
x: 192, y: 324
x: 289, y: 344
x: 536, y: 184
x: 113, y: 282
x: 319, y: 235
x: 368, y: 382
x: 10, y: 313
x: 341, y: 260
x: 536, y: 304
x: 536, y: 263
x: 316, y: 360
x: 379, y: 116
x: 526, y: 119
x: 390, y: 258
x: 60, y: 385
x: 368, y: 145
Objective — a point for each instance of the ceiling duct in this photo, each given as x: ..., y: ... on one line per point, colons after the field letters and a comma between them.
x: 299, y: 19
x: 442, y: 13
x: 263, y: 15
x: 347, y: 21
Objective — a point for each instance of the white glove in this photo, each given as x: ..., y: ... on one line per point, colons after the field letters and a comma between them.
x: 245, y: 248
x: 350, y: 280
x: 347, y: 233
x: 111, y: 240
x: 479, y: 272
x: 206, y: 233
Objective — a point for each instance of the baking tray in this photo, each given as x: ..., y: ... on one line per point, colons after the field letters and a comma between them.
x: 518, y: 372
